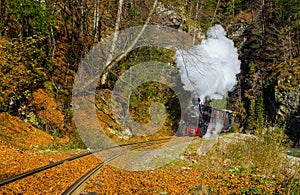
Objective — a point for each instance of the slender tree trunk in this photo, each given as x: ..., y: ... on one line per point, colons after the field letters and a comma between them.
x: 113, y: 45
x: 52, y: 37
x: 96, y: 19
x: 2, y: 16
x: 82, y: 7
x: 195, y: 22
x: 215, y: 13
x: 263, y: 15
x: 73, y: 12
x: 117, y: 27
x: 233, y: 8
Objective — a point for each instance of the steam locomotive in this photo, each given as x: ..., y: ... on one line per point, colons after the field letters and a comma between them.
x: 199, y: 118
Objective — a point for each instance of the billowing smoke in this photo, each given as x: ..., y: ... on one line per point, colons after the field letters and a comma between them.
x: 209, y: 69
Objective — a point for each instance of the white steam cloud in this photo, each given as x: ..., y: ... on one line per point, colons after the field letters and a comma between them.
x: 209, y: 69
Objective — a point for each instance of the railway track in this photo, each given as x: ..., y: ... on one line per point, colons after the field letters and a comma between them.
x: 80, y: 184
x: 17, y: 177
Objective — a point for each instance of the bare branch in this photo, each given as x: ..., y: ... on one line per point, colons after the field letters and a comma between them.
x: 111, y: 63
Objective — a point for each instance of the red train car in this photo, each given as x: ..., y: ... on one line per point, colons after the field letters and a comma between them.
x: 194, y: 131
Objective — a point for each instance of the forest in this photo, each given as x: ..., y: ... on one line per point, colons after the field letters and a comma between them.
x: 78, y: 75
x: 42, y: 43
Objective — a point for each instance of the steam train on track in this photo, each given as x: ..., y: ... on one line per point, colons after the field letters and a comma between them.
x: 201, y: 119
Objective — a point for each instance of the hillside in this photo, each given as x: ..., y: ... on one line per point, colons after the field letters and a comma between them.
x: 24, y: 147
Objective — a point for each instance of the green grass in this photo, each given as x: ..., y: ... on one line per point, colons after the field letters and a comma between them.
x: 294, y: 152
x: 260, y: 158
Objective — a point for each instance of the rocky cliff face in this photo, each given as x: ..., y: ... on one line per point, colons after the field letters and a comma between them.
x: 168, y: 15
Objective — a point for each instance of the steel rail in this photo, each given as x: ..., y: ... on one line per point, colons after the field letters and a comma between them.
x: 51, y: 165
x: 79, y: 184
